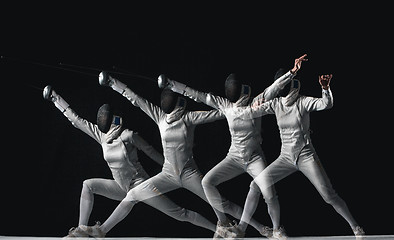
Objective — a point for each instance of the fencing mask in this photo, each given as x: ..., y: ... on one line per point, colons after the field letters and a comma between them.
x: 232, y: 88
x: 104, y: 117
x: 168, y: 100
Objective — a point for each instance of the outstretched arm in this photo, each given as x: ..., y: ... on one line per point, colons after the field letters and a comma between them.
x: 78, y: 122
x: 50, y: 95
x: 207, y: 98
x: 326, y: 101
x: 270, y: 92
x: 255, y: 111
x: 201, y: 117
x: 150, y: 109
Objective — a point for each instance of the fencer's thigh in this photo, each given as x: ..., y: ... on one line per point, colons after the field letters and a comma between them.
x: 136, y: 182
x: 164, y: 204
x: 276, y: 171
x: 152, y: 187
x: 254, y: 167
x: 106, y: 187
x: 310, y: 165
x: 191, y: 180
x: 225, y: 170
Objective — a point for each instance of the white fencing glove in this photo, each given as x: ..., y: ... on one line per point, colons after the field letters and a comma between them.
x: 106, y: 80
x: 51, y: 95
x: 175, y: 86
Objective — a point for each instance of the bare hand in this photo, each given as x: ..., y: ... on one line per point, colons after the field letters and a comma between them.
x: 324, y: 81
x: 297, y: 63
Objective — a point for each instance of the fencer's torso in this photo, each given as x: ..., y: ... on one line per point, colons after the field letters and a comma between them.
x: 245, y: 133
x: 177, y: 141
x: 176, y: 131
x: 293, y: 124
x: 121, y: 157
x: 119, y: 153
x: 294, y: 121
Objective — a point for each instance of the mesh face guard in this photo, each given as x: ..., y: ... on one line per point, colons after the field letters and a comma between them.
x: 232, y: 88
x: 104, y: 117
x: 168, y: 100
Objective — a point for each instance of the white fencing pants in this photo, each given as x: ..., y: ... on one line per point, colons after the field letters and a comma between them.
x: 309, y: 164
x: 229, y: 168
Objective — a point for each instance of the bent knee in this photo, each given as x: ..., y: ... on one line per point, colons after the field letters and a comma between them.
x: 254, y: 187
x: 87, y: 185
x: 206, y: 181
x: 209, y: 180
x: 182, y: 214
x: 126, y: 203
x: 131, y: 197
x: 270, y: 195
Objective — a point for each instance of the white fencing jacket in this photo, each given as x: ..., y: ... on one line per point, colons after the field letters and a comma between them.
x: 119, y: 149
x: 245, y: 133
x: 176, y: 130
x: 293, y: 120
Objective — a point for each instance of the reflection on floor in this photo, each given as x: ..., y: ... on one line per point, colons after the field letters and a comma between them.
x: 374, y: 237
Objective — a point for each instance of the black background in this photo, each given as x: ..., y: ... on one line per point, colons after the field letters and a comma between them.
x: 45, y: 159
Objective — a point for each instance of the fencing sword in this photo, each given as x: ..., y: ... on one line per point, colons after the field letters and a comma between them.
x: 45, y: 65
x: 115, y: 70
x: 78, y: 69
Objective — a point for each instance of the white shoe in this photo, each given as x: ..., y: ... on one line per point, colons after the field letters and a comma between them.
x: 219, y: 231
x: 279, y: 234
x: 266, y: 232
x: 94, y: 231
x: 76, y: 232
x: 358, y: 232
x: 238, y: 233
x: 227, y: 231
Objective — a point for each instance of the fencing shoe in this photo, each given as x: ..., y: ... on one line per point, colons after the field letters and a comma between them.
x: 226, y: 231
x: 237, y: 232
x: 266, y: 232
x: 76, y: 232
x: 279, y: 234
x: 94, y: 231
x: 358, y: 232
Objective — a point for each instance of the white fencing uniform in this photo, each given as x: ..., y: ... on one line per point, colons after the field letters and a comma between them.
x: 120, y: 152
x: 297, y: 152
x: 119, y: 147
x: 179, y: 168
x: 245, y: 153
x: 177, y: 134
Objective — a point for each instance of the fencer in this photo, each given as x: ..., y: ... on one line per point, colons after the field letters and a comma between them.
x: 176, y: 126
x: 292, y: 112
x: 119, y: 146
x: 245, y: 153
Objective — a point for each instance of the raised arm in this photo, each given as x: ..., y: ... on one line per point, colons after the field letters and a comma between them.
x: 207, y: 98
x: 144, y: 146
x: 325, y: 102
x: 201, y: 117
x: 150, y: 109
x: 78, y: 122
x: 258, y: 110
x: 272, y: 91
